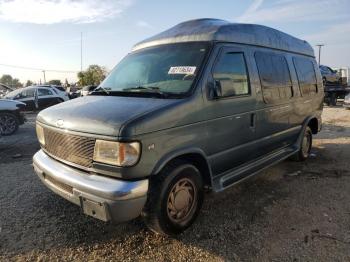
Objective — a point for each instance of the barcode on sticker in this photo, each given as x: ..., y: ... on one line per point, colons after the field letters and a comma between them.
x: 182, y: 70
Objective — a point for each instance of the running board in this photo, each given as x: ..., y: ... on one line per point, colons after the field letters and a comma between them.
x: 246, y: 171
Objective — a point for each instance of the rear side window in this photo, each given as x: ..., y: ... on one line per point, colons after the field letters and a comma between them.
x: 306, y: 75
x: 230, y: 72
x: 44, y: 92
x: 274, y: 76
x: 60, y: 88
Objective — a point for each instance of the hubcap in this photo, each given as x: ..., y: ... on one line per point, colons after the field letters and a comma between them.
x: 306, y: 144
x: 181, y: 200
x: 7, y: 124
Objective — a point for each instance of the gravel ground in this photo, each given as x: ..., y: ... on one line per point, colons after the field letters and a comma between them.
x: 291, y: 212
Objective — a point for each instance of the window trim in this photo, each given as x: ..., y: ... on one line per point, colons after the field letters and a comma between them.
x: 226, y: 50
x: 296, y: 72
x: 261, y: 83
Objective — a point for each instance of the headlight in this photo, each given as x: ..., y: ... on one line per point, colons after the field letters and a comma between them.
x: 40, y: 134
x: 116, y: 153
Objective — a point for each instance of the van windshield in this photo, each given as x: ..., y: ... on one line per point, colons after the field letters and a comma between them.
x: 165, y: 69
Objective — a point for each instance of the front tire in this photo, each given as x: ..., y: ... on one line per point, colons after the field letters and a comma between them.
x: 175, y: 198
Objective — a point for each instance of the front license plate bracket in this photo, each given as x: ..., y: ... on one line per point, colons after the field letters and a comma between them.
x: 95, y: 209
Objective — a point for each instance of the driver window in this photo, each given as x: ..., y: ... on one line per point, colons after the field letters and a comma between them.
x: 230, y: 73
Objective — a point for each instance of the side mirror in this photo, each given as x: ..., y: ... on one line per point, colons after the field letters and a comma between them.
x: 217, y: 88
x: 214, y: 89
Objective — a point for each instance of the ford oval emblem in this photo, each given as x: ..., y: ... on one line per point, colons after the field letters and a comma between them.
x: 59, y: 123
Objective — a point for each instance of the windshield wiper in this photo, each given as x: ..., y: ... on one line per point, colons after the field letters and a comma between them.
x: 152, y: 88
x: 148, y: 89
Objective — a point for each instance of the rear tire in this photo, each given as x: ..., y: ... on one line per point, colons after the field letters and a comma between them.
x: 174, y: 199
x: 305, y: 147
x: 8, y: 124
x: 333, y: 99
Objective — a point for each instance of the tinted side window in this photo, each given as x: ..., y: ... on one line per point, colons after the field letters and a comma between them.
x: 306, y: 75
x: 44, y: 92
x: 28, y: 93
x: 274, y: 76
x: 60, y: 88
x: 230, y: 72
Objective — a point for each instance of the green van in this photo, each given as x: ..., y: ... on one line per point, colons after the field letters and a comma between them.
x: 201, y: 106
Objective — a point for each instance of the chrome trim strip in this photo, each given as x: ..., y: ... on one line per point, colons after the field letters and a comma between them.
x: 100, y: 186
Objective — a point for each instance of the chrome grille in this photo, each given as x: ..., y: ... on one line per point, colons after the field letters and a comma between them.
x: 75, y: 149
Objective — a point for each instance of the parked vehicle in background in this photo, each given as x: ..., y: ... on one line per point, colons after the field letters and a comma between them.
x: 4, y: 89
x: 203, y: 105
x: 58, y: 90
x: 330, y: 76
x: 346, y: 103
x: 73, y: 92
x: 10, y: 116
x: 86, y: 90
x: 38, y: 97
x: 334, y: 92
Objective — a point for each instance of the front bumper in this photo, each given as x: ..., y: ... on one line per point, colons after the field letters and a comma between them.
x: 107, y: 199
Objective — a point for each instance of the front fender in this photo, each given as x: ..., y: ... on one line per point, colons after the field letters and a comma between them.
x: 178, y: 153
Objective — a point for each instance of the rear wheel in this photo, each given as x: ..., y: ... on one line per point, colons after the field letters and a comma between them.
x: 8, y: 124
x: 175, y: 198
x: 305, y: 146
x: 333, y: 99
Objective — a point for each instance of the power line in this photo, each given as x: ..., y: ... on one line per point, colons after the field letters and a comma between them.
x: 39, y: 69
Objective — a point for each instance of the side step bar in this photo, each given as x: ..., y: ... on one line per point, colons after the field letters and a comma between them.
x: 246, y: 171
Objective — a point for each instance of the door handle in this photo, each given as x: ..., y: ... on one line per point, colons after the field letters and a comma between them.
x: 252, y: 120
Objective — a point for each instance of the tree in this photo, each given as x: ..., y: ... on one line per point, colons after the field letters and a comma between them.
x: 10, y: 81
x: 29, y: 83
x: 55, y: 82
x: 94, y: 75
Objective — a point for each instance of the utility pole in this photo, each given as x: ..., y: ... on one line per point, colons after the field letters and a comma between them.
x: 319, y: 53
x: 44, y: 77
x: 81, y: 51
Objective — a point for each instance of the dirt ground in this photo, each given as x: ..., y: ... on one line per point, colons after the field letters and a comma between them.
x: 291, y: 212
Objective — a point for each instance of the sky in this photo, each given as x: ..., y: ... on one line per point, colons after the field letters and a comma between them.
x: 45, y: 34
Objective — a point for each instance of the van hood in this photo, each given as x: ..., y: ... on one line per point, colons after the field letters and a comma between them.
x: 102, y: 115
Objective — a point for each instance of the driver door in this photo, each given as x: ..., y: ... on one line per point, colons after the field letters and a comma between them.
x: 231, y: 114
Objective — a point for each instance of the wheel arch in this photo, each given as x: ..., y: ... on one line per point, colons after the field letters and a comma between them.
x: 314, y: 125
x: 195, y: 156
x: 312, y: 120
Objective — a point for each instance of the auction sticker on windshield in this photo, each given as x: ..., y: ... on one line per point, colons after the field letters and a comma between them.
x: 182, y: 70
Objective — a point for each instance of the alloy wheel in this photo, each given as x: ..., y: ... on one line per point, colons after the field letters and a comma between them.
x: 8, y: 124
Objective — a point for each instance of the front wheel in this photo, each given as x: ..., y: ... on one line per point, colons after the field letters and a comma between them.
x: 175, y: 198
x: 8, y: 124
x: 305, y: 146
